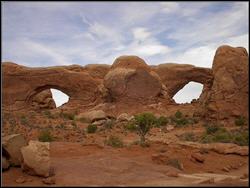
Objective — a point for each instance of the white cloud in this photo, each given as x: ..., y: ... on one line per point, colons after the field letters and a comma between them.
x: 140, y: 33
x: 170, y: 7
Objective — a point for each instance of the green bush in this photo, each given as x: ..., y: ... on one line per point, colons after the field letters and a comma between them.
x: 240, y: 121
x: 23, y: 120
x: 91, y: 128
x: 67, y: 116
x: 130, y: 126
x: 189, y: 136
x: 178, y: 114
x: 144, y: 122
x: 48, y: 114
x: 161, y: 121
x: 241, y: 138
x: 114, y: 141
x: 211, y: 128
x: 45, y: 136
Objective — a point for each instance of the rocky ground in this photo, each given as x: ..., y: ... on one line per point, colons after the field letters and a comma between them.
x: 174, y: 155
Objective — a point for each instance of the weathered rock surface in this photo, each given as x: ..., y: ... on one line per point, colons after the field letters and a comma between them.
x: 130, y: 77
x: 36, y: 158
x: 228, y: 96
x: 124, y: 117
x: 131, y: 81
x: 44, y: 100
x: 92, y: 116
x: 12, y: 144
x: 222, y: 148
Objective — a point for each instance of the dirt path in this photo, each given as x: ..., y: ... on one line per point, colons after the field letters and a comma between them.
x: 78, y: 165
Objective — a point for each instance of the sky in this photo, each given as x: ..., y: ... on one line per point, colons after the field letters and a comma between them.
x: 40, y: 34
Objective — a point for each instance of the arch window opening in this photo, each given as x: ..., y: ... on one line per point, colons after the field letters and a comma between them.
x: 59, y: 97
x: 190, y: 91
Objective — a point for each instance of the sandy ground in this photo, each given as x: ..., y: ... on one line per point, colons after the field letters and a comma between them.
x: 93, y: 165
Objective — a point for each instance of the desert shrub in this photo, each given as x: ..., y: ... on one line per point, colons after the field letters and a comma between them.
x: 130, y: 126
x: 144, y: 123
x: 114, y: 141
x: 48, y: 114
x: 241, y: 138
x: 74, y: 124
x: 189, y: 136
x: 161, y: 121
x: 181, y: 122
x: 211, y: 128
x: 174, y: 163
x: 91, y: 128
x: 178, y: 114
x: 240, y: 121
x: 45, y: 136
x: 67, y: 116
x: 23, y: 120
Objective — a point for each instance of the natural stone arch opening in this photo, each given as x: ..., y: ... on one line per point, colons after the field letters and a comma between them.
x: 44, y: 97
x: 59, y: 97
x: 189, y: 93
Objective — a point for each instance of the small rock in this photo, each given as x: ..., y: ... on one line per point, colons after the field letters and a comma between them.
x: 49, y: 180
x: 172, y: 174
x: 124, y: 117
x: 20, y: 180
x: 170, y: 127
x: 226, y: 169
x: 99, y: 122
x: 198, y: 157
x: 244, y: 176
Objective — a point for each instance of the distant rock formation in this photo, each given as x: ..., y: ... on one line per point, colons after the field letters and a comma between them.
x: 224, y: 95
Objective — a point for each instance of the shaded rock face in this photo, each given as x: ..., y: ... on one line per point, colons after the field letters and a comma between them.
x: 224, y: 94
x: 228, y: 96
x: 131, y: 78
x: 12, y: 145
x: 43, y: 100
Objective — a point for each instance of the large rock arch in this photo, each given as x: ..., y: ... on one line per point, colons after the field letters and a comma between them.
x: 21, y: 84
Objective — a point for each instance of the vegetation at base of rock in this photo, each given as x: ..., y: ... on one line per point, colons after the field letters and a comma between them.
x: 67, y: 116
x: 91, y: 128
x: 240, y: 121
x: 130, y: 126
x: 161, y: 121
x: 114, y: 141
x: 189, y: 136
x: 48, y: 114
x: 174, y: 163
x: 144, y: 122
x: 214, y: 133
x: 45, y: 136
x: 178, y: 114
x: 23, y: 120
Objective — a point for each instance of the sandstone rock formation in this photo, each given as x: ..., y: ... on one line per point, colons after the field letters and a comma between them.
x: 36, y: 158
x: 131, y: 81
x: 228, y: 96
x: 131, y: 78
x: 12, y: 144
x: 43, y: 100
x: 92, y: 116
